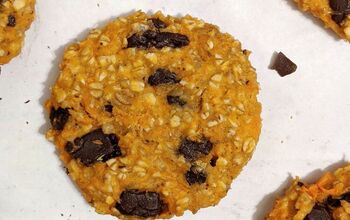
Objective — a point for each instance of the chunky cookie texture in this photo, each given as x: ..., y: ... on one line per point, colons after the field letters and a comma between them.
x: 154, y: 115
x: 16, y: 17
x: 327, y: 199
x: 334, y: 13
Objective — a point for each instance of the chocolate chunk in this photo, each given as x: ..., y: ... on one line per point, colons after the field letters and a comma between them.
x: 175, y: 100
x: 213, y: 161
x: 11, y: 21
x: 157, y: 39
x: 338, y: 17
x: 192, y: 150
x: 195, y: 175
x: 339, y: 5
x: 140, y: 203
x: 116, y: 149
x: 283, y: 65
x: 319, y: 212
x: 300, y: 184
x: 167, y: 39
x: 59, y: 117
x: 109, y: 108
x: 340, y: 8
x: 158, y: 23
x: 332, y: 202
x: 336, y: 202
x: 346, y: 197
x: 94, y: 146
x: 162, y: 76
x: 138, y: 41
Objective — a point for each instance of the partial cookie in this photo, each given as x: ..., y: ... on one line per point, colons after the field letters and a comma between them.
x: 334, y: 13
x: 154, y: 115
x: 16, y: 17
x: 327, y: 199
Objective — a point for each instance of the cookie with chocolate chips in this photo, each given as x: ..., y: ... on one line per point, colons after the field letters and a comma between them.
x: 327, y: 199
x: 16, y: 17
x: 152, y: 115
x: 334, y: 13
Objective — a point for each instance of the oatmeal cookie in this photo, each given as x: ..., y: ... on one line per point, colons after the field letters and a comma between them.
x: 327, y: 199
x: 15, y: 18
x: 334, y: 13
x: 154, y: 115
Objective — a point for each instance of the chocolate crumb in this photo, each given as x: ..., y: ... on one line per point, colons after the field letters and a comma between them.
x: 213, y: 161
x: 175, y: 100
x: 195, y: 175
x: 283, y: 65
x: 300, y: 184
x: 158, y: 23
x: 163, y: 76
x: 11, y: 21
x: 108, y: 108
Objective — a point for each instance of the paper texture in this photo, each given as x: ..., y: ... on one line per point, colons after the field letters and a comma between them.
x: 306, y: 116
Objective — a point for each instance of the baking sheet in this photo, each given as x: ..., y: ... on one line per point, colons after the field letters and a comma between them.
x: 306, y: 116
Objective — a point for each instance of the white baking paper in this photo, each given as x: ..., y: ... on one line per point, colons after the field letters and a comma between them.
x: 306, y: 116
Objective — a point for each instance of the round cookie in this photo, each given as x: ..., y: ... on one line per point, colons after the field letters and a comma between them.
x: 334, y: 13
x: 16, y: 17
x: 154, y: 115
x: 327, y: 199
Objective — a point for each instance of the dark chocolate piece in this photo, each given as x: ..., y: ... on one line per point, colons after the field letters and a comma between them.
x: 333, y: 202
x: 341, y: 8
x: 158, y: 23
x: 192, y: 150
x: 213, y: 161
x: 157, y: 39
x: 162, y: 76
x: 59, y: 117
x: 319, y: 212
x: 140, y: 203
x: 11, y: 21
x: 93, y: 147
x: 167, y: 39
x: 283, y: 65
x: 108, y: 108
x: 339, y: 5
x: 195, y: 175
x: 175, y: 100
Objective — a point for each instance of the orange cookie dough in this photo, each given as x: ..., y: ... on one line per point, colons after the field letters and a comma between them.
x: 334, y: 13
x: 327, y: 199
x: 16, y: 17
x: 154, y: 115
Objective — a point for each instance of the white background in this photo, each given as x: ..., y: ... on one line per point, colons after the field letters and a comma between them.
x: 306, y: 116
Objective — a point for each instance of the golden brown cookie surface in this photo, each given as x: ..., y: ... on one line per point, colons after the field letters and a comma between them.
x: 334, y: 13
x: 327, y: 199
x: 155, y: 115
x: 16, y: 17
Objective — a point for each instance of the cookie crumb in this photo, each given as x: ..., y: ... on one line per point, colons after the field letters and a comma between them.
x: 283, y: 65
